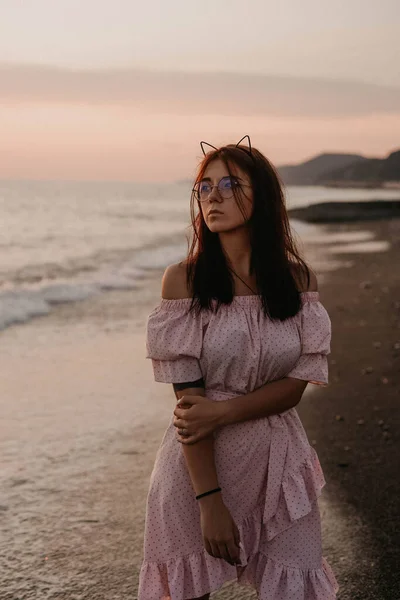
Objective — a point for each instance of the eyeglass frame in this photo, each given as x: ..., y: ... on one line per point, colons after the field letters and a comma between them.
x: 217, y: 186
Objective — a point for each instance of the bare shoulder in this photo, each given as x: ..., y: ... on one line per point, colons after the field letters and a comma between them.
x: 300, y: 276
x: 174, y: 285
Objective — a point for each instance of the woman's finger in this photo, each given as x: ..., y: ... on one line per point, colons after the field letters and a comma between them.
x: 233, y: 551
x: 188, y: 440
x: 195, y: 437
x: 223, y: 550
x: 183, y: 433
x: 191, y: 438
x: 180, y: 423
x: 215, y: 550
x: 178, y: 412
x: 207, y: 546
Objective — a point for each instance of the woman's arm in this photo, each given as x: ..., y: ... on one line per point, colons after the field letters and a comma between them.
x: 273, y: 398
x: 221, y: 536
x: 200, y: 457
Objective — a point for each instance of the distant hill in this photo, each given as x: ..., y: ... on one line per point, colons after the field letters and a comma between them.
x: 343, y: 169
x: 373, y: 170
x: 313, y: 170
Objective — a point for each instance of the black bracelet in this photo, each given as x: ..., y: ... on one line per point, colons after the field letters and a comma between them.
x: 218, y: 489
x: 188, y: 384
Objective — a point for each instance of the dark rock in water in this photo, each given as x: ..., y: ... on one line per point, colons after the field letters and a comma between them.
x: 336, y: 212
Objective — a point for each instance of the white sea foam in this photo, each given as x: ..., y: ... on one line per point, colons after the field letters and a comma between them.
x: 27, y: 301
x: 17, y: 307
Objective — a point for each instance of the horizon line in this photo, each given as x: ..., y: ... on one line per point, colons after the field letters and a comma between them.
x: 154, y: 71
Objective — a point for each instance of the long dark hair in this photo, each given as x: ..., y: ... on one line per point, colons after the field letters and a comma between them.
x: 274, y: 254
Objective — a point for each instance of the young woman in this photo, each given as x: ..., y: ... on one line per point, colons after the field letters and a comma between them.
x: 239, y: 332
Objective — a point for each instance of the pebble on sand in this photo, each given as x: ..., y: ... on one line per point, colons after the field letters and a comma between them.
x: 367, y: 370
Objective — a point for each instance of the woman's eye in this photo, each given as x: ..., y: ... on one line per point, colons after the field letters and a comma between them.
x: 235, y: 183
x: 228, y: 183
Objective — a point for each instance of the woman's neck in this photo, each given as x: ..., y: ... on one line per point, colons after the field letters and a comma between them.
x: 236, y: 247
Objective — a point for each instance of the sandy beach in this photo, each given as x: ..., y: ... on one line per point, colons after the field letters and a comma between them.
x: 82, y: 419
x: 355, y: 424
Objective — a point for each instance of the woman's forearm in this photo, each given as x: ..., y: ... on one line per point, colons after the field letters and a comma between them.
x: 200, y: 459
x: 273, y: 398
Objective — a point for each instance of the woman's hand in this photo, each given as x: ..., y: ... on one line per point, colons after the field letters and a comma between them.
x: 198, y: 416
x: 220, y: 533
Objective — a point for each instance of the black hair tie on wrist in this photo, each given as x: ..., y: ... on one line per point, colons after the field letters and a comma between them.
x: 218, y: 489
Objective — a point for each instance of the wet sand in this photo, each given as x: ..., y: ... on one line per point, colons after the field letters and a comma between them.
x: 82, y: 418
x: 355, y: 422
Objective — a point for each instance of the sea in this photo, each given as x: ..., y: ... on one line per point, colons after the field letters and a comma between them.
x: 64, y: 241
x: 80, y: 414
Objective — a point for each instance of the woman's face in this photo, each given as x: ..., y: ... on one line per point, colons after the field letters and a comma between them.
x: 230, y: 215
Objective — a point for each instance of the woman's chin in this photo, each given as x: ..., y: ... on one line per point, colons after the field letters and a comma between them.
x: 218, y: 227
x: 223, y: 228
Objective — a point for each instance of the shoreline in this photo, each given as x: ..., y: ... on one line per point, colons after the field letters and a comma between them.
x: 72, y: 514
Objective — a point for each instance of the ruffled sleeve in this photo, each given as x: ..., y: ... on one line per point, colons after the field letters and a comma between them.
x: 315, y: 333
x: 174, y: 341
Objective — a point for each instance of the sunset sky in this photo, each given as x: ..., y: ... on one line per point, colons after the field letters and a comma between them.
x: 126, y: 90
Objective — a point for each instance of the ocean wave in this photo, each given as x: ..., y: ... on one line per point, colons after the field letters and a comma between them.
x: 30, y: 294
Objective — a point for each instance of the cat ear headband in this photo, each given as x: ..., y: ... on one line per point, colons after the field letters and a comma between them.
x: 237, y: 146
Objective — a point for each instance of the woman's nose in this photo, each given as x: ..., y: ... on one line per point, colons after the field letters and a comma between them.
x: 214, y: 195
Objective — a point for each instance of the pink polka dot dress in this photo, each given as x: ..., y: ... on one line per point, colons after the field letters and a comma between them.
x: 269, y: 474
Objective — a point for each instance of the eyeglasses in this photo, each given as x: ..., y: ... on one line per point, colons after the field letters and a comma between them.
x: 225, y: 188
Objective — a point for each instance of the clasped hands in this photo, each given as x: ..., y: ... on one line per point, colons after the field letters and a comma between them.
x: 198, y: 417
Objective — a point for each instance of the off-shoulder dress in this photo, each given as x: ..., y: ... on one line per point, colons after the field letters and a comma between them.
x: 269, y: 473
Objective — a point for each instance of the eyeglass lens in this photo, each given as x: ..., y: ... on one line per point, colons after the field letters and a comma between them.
x: 225, y: 187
